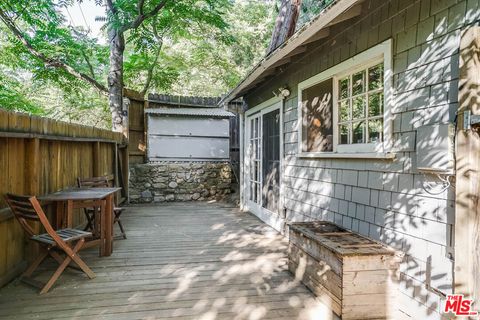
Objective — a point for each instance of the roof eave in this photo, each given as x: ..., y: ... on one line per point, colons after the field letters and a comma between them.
x: 303, y: 36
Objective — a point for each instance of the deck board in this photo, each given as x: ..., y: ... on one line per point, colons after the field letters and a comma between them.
x: 180, y: 261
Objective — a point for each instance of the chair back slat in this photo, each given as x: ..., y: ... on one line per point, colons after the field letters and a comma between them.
x: 28, y: 208
x: 24, y: 211
x: 21, y: 207
x: 94, y: 182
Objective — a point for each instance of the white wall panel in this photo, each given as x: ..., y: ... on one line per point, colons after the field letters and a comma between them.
x: 188, y: 126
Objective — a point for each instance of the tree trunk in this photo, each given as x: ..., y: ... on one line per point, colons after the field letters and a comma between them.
x: 285, y: 23
x: 115, y: 79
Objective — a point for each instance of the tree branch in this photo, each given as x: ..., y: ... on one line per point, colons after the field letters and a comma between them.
x: 48, y: 61
x: 140, y: 7
x: 142, y: 17
x: 111, y: 6
x: 150, y: 70
x: 90, y: 67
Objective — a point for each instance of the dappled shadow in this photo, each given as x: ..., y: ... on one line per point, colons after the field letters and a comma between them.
x: 392, y: 201
x: 194, y: 261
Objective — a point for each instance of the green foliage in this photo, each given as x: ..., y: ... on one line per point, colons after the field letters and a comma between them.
x: 311, y: 8
x: 212, y: 67
x: 195, y: 47
x: 13, y: 98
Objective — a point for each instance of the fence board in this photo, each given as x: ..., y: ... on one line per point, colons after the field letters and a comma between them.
x: 58, y: 160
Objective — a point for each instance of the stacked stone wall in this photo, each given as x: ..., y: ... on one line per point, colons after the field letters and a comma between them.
x: 171, y: 181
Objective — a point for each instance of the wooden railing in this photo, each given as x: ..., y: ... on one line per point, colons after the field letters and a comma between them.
x: 40, y: 155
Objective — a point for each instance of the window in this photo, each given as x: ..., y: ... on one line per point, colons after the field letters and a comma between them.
x: 360, y: 105
x: 343, y: 109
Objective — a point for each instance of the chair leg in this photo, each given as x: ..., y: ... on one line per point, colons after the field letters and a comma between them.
x: 34, y: 265
x: 120, y: 225
x: 76, y: 258
x: 56, y: 275
x: 89, y: 225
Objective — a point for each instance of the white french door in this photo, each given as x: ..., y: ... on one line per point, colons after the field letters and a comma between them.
x: 263, y: 163
x: 255, y: 159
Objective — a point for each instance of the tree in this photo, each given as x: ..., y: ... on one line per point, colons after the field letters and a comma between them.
x: 285, y: 23
x: 173, y: 54
x: 137, y: 22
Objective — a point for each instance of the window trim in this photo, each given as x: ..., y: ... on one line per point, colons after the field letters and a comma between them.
x: 367, y: 58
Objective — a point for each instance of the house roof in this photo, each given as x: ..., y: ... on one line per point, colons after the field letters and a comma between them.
x: 316, y: 29
x: 195, y: 111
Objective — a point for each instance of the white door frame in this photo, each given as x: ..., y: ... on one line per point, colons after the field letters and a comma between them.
x: 276, y: 220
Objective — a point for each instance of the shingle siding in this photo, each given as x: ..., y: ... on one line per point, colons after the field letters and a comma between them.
x: 387, y: 200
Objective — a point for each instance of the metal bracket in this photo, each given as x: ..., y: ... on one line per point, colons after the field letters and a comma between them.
x: 470, y: 120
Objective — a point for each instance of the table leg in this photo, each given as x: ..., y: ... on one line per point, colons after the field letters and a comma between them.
x: 102, y: 229
x: 69, y: 213
x: 109, y: 225
x: 59, y: 211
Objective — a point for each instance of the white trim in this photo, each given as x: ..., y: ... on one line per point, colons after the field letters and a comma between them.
x: 346, y: 155
x: 242, y: 171
x: 276, y: 220
x: 281, y: 203
x: 268, y: 103
x: 368, y: 57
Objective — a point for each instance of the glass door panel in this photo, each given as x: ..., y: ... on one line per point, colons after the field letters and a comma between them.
x: 255, y: 160
x: 271, y: 161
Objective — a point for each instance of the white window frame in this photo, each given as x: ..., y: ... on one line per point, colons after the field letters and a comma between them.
x: 377, y: 54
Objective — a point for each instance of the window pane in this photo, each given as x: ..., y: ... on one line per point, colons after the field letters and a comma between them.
x: 358, y: 132
x: 344, y: 85
x: 358, y: 82
x: 343, y: 134
x: 375, y: 130
x: 375, y: 77
x: 317, y: 108
x: 375, y: 104
x: 358, y: 110
x: 345, y: 110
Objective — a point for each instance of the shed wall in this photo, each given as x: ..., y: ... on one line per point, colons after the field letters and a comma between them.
x: 187, y: 138
x: 386, y: 199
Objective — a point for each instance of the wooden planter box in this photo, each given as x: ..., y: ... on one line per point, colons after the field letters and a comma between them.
x: 354, y: 275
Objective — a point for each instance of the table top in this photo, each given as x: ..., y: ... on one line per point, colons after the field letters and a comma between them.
x: 79, y: 194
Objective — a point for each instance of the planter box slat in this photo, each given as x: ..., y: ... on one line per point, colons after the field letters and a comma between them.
x: 354, y: 275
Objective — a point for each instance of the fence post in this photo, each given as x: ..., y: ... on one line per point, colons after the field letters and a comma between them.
x: 96, y: 159
x: 32, y: 186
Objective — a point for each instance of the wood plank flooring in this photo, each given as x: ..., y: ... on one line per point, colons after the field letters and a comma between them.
x: 180, y: 261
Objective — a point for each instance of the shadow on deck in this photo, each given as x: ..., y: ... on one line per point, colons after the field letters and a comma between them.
x: 180, y: 261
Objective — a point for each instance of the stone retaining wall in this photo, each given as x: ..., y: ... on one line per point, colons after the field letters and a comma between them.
x: 174, y: 181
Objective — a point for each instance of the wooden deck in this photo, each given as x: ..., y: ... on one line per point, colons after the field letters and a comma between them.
x: 180, y: 261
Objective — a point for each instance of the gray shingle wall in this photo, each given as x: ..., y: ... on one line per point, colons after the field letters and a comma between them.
x: 387, y: 200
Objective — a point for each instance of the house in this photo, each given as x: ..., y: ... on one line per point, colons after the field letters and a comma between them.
x: 352, y: 120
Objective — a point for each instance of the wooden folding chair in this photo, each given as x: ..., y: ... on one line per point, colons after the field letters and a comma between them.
x: 100, y: 182
x: 52, y: 243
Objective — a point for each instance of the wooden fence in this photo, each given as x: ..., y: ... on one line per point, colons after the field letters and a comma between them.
x: 38, y: 156
x: 136, y: 126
